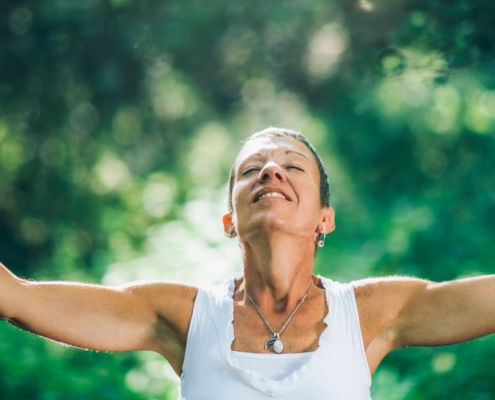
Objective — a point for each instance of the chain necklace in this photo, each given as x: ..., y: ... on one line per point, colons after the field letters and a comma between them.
x: 275, y: 341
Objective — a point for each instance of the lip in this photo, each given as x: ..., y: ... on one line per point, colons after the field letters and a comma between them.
x: 270, y: 190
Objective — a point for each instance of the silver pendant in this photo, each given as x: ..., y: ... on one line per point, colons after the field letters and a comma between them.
x: 277, y: 344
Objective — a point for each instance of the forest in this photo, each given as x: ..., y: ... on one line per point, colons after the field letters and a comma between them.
x: 120, y: 119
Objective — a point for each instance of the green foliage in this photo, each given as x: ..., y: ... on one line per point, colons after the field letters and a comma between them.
x: 119, y: 120
x: 33, y: 368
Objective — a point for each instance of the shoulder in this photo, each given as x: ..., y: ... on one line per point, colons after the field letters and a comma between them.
x: 378, y: 289
x: 385, y: 288
x: 172, y: 303
x: 382, y: 300
x: 159, y: 291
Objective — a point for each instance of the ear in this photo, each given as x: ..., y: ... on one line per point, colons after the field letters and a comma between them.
x: 228, y: 226
x: 328, y: 220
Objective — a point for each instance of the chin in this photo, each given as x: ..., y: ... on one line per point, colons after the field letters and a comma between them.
x: 269, y: 223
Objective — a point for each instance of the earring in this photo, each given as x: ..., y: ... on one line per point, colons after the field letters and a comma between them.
x: 231, y: 232
x: 321, y: 240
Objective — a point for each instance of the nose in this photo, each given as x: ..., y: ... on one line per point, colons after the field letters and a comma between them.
x: 271, y: 171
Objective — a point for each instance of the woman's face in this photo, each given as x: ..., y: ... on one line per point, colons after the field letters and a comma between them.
x: 277, y: 188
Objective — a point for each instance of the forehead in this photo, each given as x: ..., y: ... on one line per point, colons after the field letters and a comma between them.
x: 268, y: 145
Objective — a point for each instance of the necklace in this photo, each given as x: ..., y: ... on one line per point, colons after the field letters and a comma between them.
x: 275, y: 341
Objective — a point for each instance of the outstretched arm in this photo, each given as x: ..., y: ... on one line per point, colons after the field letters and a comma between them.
x: 397, y: 312
x: 146, y: 316
x: 437, y: 314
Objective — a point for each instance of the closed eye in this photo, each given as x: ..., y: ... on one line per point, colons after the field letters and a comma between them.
x: 250, y: 170
x: 292, y: 166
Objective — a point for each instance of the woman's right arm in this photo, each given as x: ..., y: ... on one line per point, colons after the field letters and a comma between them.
x: 141, y: 316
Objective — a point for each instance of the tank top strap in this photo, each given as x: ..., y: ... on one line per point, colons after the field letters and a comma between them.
x: 210, y: 321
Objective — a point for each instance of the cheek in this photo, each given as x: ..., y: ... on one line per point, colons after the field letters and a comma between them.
x: 235, y: 196
x: 237, y: 200
x: 312, y: 193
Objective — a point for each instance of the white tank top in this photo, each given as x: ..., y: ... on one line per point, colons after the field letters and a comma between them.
x: 337, y: 370
x: 274, y: 368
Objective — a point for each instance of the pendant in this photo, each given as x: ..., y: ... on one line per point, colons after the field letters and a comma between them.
x: 277, y: 344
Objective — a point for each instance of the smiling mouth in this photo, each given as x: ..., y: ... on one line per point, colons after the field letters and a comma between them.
x: 271, y: 195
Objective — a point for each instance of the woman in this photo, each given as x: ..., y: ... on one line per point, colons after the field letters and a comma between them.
x: 278, y: 330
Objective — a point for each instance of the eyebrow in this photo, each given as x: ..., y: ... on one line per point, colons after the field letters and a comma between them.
x: 299, y: 153
x: 287, y: 152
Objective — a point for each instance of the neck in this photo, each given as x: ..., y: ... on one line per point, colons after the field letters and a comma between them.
x: 277, y: 270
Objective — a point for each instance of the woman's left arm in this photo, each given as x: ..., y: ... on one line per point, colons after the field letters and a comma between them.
x: 399, y: 311
x: 436, y: 314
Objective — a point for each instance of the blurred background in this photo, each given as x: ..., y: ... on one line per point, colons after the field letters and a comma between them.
x: 119, y: 120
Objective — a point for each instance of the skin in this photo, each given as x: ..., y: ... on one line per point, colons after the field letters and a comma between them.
x: 277, y: 236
